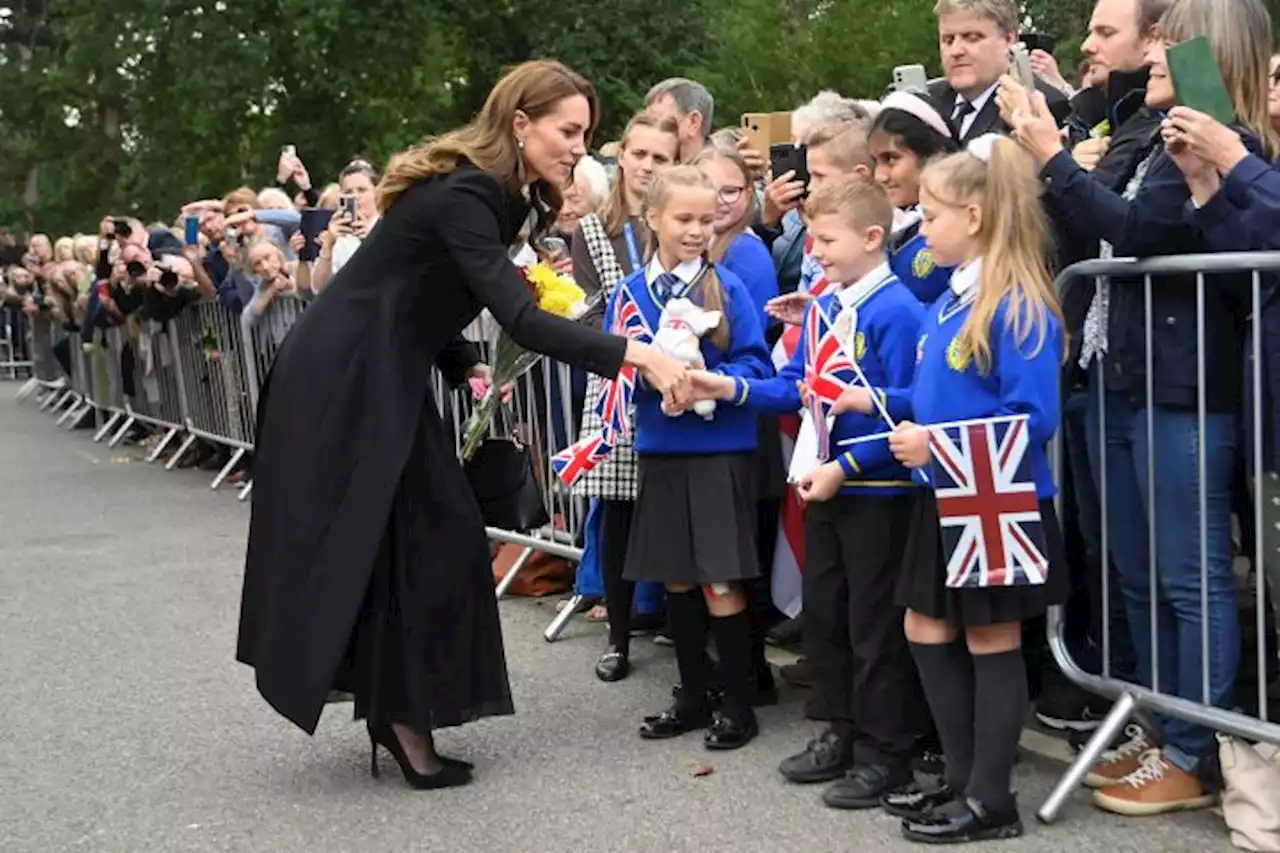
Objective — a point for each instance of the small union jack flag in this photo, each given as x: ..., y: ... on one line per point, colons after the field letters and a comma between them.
x: 828, y: 371
x: 992, y: 532
x: 579, y: 458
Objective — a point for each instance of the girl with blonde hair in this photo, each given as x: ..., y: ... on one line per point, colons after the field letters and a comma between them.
x: 992, y: 346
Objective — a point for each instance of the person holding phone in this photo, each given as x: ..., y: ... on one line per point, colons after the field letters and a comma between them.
x: 1144, y: 215
x: 355, y: 217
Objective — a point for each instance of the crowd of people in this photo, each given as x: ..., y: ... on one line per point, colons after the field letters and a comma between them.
x: 938, y: 215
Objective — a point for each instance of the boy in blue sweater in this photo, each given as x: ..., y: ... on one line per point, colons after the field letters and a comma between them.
x: 859, y: 510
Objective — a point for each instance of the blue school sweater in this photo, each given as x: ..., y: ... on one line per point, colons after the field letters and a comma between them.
x: 733, y: 429
x: 912, y: 262
x: 948, y: 386
x: 749, y: 260
x: 889, y: 319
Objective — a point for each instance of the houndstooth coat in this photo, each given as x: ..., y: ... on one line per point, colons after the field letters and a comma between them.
x: 614, y: 479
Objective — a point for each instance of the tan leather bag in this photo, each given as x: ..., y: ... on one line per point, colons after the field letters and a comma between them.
x: 542, y: 574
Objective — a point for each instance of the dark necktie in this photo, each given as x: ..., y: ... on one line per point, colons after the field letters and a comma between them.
x: 666, y: 285
x: 962, y: 109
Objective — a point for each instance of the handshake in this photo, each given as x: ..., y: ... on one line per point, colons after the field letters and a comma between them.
x: 698, y: 391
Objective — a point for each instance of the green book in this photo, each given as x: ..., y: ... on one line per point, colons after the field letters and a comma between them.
x: 1197, y: 80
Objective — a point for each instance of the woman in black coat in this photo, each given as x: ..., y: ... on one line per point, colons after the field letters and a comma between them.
x: 368, y: 568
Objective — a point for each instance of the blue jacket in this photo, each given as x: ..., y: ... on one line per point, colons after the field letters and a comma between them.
x: 948, y: 386
x: 889, y: 319
x: 1153, y: 223
x: 912, y: 262
x: 733, y: 429
x: 1244, y: 216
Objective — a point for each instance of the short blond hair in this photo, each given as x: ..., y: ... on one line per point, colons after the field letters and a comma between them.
x: 1003, y: 12
x: 858, y: 198
x: 845, y: 142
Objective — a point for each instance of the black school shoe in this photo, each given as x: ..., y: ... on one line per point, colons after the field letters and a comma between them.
x: 913, y: 802
x: 961, y: 821
x: 674, y: 722
x: 730, y: 731
x: 825, y: 758
x: 864, y: 785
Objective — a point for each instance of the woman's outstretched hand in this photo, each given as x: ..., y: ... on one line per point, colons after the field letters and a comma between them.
x: 664, y: 374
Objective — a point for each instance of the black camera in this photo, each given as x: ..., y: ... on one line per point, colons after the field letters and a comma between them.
x: 135, y: 269
x: 122, y: 228
x: 168, y: 279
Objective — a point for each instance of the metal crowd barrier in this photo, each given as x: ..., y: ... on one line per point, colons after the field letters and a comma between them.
x: 528, y: 419
x: 15, y: 352
x: 1131, y: 698
x: 209, y: 349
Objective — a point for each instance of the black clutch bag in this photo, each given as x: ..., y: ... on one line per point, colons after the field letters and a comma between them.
x: 501, y: 475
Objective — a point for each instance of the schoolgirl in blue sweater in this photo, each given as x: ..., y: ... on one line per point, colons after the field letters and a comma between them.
x: 991, y: 346
x: 906, y: 133
x: 859, y: 509
x: 693, y: 528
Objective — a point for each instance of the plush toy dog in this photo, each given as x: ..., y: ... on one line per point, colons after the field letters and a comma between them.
x: 680, y: 328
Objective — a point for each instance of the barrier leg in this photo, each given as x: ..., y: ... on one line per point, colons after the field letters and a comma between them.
x: 61, y: 397
x: 119, y: 436
x: 182, y: 451
x: 1114, y: 723
x: 163, y: 443
x: 54, y: 395
x: 27, y: 387
x: 562, y: 618
x: 245, y: 491
x: 70, y: 410
x: 226, y: 469
x: 80, y: 412
x: 108, y: 426
x: 510, y: 576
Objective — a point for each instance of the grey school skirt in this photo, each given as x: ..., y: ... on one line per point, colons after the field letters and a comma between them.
x: 695, y: 519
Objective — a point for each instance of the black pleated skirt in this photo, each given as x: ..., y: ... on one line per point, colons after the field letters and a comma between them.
x: 427, y: 647
x: 922, y: 583
x: 695, y: 519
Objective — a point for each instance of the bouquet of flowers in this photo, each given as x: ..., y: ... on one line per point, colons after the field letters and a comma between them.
x: 555, y: 294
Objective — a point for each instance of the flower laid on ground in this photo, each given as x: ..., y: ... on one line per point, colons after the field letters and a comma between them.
x: 555, y: 294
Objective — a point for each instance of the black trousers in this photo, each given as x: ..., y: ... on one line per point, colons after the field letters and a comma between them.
x: 862, y: 669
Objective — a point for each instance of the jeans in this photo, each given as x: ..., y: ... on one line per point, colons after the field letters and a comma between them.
x: 1086, y: 632
x: 1179, y: 669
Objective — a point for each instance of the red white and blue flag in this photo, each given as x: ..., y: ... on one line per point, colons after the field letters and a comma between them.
x: 613, y: 404
x: 992, y: 532
x: 828, y: 371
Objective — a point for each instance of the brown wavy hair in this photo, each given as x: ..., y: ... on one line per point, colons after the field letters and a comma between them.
x: 535, y: 88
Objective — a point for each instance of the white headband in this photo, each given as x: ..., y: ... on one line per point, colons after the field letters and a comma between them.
x: 982, y: 146
x: 918, y: 107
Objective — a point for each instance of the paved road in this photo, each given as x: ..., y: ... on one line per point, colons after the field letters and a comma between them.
x: 129, y: 727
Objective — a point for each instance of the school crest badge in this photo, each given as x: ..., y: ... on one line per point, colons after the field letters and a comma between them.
x: 958, y: 355
x: 922, y: 264
x: 859, y: 346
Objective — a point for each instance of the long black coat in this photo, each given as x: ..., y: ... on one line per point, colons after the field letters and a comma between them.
x: 341, y: 410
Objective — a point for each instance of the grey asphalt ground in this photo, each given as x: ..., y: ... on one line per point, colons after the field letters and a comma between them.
x: 128, y: 726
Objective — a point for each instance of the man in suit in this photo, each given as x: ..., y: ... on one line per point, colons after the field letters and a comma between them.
x: 975, y: 38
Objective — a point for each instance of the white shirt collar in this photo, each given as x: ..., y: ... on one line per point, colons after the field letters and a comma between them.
x: 904, y: 218
x: 979, y: 102
x: 856, y: 292
x: 686, y: 272
x: 964, y: 281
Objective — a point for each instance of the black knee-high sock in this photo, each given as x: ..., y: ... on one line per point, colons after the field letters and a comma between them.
x: 619, y: 594
x: 999, y: 709
x: 686, y: 622
x: 733, y: 644
x: 946, y: 674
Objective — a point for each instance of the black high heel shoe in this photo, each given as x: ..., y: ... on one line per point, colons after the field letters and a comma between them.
x: 451, y: 774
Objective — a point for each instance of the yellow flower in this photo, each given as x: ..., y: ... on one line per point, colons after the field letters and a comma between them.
x: 556, y: 294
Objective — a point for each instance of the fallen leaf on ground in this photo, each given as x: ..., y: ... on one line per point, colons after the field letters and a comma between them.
x: 703, y: 770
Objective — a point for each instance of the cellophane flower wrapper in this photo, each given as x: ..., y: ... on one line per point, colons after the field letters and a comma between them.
x: 555, y: 294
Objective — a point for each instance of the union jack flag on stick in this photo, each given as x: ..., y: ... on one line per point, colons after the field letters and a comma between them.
x: 992, y: 532
x: 828, y: 371
x: 613, y: 404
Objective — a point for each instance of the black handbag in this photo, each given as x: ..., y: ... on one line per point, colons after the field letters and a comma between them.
x: 501, y: 475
